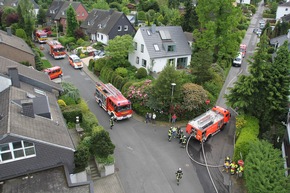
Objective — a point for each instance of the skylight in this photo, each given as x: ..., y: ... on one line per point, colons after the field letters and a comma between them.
x: 148, y: 32
x: 156, y: 47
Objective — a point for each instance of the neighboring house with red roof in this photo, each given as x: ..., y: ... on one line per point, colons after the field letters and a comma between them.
x: 15, y: 48
x: 57, y: 12
x: 104, y: 25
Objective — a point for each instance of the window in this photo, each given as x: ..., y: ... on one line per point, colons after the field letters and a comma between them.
x: 144, y: 63
x: 50, y: 11
x: 156, y: 47
x: 83, y: 14
x: 125, y: 28
x: 119, y: 28
x: 135, y: 45
x: 171, y: 48
x: 142, y: 48
x: 16, y: 150
x: 101, y: 37
x: 98, y: 35
x: 137, y: 60
x: 286, y: 9
x: 62, y: 13
x: 171, y: 61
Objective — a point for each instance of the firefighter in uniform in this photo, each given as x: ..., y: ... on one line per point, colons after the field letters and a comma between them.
x: 174, y: 129
x: 233, y: 168
x: 183, y: 143
x: 178, y: 132
x: 181, y: 136
x: 240, y: 170
x: 111, y: 122
x: 227, y: 164
x: 169, y: 134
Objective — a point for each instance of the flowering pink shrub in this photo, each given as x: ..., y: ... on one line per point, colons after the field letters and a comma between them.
x: 138, y: 92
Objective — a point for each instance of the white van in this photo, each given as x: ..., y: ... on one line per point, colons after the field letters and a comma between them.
x: 238, y: 60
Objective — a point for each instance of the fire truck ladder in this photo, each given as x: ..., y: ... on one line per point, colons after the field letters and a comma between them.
x: 112, y: 90
x: 205, y: 121
x: 54, y: 42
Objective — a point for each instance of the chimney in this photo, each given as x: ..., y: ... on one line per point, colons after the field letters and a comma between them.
x: 9, y: 32
x: 288, y: 34
x: 153, y: 28
x: 13, y: 73
x: 27, y: 107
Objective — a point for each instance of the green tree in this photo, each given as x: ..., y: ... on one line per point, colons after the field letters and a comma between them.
x: 81, y: 157
x: 70, y: 91
x: 72, y: 23
x: 190, y: 19
x: 193, y: 96
x: 101, y: 144
x: 101, y: 4
x: 41, y: 16
x: 201, y: 66
x: 27, y: 12
x: 160, y: 96
x: 119, y: 48
x: 7, y: 11
x: 264, y: 171
x: 21, y: 33
x: 223, y: 18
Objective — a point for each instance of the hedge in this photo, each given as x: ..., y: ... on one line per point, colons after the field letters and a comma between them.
x: 248, y: 134
x: 89, y: 121
x: 71, y: 112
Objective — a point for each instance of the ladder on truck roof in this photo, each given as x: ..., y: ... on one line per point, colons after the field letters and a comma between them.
x: 110, y: 89
x: 53, y: 42
x: 205, y: 121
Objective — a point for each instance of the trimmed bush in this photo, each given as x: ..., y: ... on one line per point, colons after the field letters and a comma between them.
x: 84, y: 106
x: 101, y: 145
x: 68, y: 100
x: 91, y: 64
x: 71, y: 112
x: 61, y: 103
x: 126, y: 86
x: 99, y: 64
x: 249, y: 134
x: 141, y: 73
x: 81, y: 157
x: 123, y: 72
x: 89, y: 121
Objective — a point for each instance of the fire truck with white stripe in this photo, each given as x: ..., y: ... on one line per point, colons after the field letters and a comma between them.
x: 56, y: 50
x: 208, y: 124
x: 111, y: 100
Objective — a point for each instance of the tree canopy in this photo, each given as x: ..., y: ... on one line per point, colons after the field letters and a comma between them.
x: 264, y: 171
x: 72, y: 23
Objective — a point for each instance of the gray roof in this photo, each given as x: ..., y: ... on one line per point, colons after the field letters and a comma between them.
x: 176, y: 37
x: 286, y: 18
x: 28, y: 72
x: 54, y: 6
x: 189, y: 36
x: 280, y: 40
x: 287, y: 4
x: 64, y: 7
x: 9, y: 3
x: 14, y: 41
x: 104, y: 18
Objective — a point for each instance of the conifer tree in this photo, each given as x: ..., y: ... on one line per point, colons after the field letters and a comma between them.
x: 72, y: 23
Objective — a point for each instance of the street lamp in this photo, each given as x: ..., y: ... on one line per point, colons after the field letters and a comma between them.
x: 172, y: 89
x: 56, y: 30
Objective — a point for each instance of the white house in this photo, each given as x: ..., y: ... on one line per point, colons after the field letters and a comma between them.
x: 282, y: 10
x: 156, y: 46
x: 244, y: 1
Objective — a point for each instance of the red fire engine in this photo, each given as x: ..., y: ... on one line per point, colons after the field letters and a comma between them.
x: 40, y: 36
x: 56, y: 50
x: 209, y: 123
x: 111, y: 100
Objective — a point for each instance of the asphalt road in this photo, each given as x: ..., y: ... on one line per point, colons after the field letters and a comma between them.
x: 145, y: 160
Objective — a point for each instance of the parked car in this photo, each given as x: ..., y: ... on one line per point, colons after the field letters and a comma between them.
x: 238, y: 60
x: 75, y: 61
x: 99, y: 55
x: 258, y: 31
x: 53, y: 72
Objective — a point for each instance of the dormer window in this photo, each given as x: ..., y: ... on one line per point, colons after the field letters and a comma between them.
x: 14, y: 4
x: 62, y: 13
x: 53, y: 12
x: 119, y: 28
x: 171, y: 48
x: 126, y: 28
x: 1, y: 3
x: 88, y: 23
x: 100, y: 26
x: 83, y: 14
x: 50, y: 11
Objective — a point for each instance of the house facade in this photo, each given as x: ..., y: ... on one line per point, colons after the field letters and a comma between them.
x: 15, y: 48
x: 104, y: 25
x: 33, y: 133
x: 282, y: 10
x: 156, y: 46
x: 56, y: 13
x: 243, y: 1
